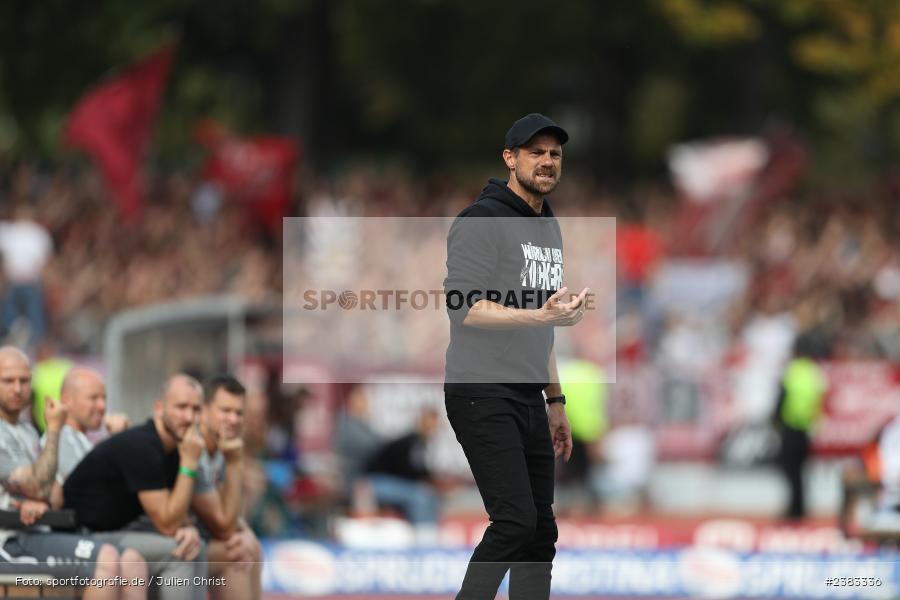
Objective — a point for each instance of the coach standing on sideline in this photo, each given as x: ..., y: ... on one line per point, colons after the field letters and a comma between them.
x: 504, y: 296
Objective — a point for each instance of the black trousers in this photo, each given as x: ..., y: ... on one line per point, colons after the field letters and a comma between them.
x: 795, y: 446
x: 508, y: 446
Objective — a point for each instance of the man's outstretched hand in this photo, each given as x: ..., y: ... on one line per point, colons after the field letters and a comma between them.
x: 556, y: 311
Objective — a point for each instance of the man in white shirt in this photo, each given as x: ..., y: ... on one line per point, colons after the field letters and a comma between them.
x: 25, y: 247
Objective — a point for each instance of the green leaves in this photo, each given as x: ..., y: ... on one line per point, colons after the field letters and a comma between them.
x: 438, y: 81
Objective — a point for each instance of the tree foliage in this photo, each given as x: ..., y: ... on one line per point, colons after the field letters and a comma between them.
x: 439, y: 81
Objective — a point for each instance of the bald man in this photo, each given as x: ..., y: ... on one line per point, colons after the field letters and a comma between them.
x: 149, y: 470
x: 83, y: 395
x: 26, y: 475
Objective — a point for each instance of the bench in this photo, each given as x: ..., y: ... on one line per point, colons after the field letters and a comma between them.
x: 58, y: 520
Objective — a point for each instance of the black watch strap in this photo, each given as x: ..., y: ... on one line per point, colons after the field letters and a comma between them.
x: 561, y: 399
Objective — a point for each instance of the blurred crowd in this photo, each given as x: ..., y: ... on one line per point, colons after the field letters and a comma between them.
x: 827, y: 263
x: 188, y: 242
x: 834, y: 264
x: 820, y: 268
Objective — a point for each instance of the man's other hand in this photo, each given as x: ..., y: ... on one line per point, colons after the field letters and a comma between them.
x: 189, y: 543
x: 560, y: 431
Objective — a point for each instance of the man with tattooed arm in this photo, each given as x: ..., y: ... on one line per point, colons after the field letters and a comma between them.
x: 26, y: 478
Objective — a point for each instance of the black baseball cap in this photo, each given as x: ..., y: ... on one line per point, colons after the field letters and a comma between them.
x: 529, y: 126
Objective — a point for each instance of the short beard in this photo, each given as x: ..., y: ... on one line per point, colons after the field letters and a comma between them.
x: 13, y: 414
x: 531, y: 185
x: 170, y: 430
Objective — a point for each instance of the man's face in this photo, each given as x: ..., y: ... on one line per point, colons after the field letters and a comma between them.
x: 538, y: 164
x: 428, y: 424
x: 86, y: 402
x: 181, y: 409
x: 224, y: 414
x: 15, y: 384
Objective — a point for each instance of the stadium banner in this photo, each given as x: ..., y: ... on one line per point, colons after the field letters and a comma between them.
x: 862, y: 397
x: 741, y: 535
x: 309, y: 569
x: 377, y: 298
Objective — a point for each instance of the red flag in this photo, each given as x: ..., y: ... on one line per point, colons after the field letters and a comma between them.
x: 113, y: 124
x: 257, y: 170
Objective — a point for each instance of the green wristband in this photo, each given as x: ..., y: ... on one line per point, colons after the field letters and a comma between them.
x: 187, y: 471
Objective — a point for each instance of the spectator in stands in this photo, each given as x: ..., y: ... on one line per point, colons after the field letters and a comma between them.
x: 799, y: 406
x: 639, y: 250
x: 355, y: 443
x: 889, y: 466
x: 877, y: 474
x: 265, y: 506
x: 25, y: 246
x: 233, y: 550
x: 766, y: 340
x: 256, y: 424
x: 26, y: 477
x: 149, y: 469
x: 399, y: 476
x: 628, y: 451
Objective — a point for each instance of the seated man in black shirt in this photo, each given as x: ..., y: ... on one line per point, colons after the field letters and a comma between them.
x: 399, y: 475
x: 149, y: 469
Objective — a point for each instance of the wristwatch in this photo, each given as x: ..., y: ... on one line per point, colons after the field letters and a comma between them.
x: 554, y: 399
